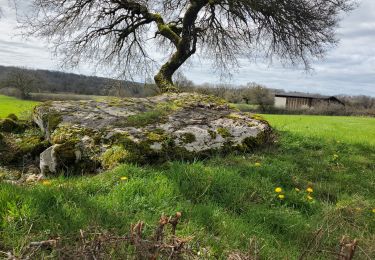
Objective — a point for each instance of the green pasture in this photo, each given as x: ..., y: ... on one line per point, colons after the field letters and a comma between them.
x: 11, y: 105
x: 353, y: 130
x: 323, y: 166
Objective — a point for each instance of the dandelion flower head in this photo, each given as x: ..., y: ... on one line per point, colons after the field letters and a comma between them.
x: 278, y: 190
x: 46, y: 182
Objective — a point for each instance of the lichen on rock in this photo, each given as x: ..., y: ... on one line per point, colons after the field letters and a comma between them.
x: 143, y: 130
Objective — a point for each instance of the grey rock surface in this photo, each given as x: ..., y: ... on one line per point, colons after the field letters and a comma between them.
x: 106, y: 132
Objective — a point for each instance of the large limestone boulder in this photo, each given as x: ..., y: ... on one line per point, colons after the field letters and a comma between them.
x: 91, y: 135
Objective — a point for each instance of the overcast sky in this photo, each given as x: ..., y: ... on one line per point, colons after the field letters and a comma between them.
x: 347, y: 69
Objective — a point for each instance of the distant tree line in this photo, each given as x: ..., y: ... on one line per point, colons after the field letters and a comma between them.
x: 21, y: 82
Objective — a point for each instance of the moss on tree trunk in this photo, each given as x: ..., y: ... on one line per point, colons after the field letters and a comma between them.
x: 165, y: 82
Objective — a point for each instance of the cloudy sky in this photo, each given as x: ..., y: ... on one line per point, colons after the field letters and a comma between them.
x: 347, y: 69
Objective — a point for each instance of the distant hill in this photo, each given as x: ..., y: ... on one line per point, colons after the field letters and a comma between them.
x: 60, y: 82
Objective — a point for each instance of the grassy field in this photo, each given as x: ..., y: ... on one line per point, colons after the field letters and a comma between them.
x: 10, y: 105
x: 225, y: 201
x: 348, y: 130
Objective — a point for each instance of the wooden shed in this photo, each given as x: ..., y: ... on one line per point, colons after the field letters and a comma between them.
x: 297, y: 101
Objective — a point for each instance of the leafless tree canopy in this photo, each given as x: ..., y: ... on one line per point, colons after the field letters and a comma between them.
x: 23, y: 80
x: 119, y: 32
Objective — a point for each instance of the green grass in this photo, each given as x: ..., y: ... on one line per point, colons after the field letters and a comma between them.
x: 351, y: 130
x: 9, y: 105
x: 225, y: 201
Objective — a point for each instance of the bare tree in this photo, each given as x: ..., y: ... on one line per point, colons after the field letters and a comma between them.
x: 366, y: 102
x: 181, y: 81
x: 117, y: 32
x: 23, y: 80
x: 258, y: 95
x: 116, y: 88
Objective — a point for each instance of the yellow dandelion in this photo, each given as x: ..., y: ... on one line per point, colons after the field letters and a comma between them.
x: 309, y: 197
x: 335, y: 157
x: 278, y: 190
x: 310, y: 190
x: 46, y: 183
x: 257, y: 164
x: 281, y: 196
x: 373, y: 210
x: 124, y: 178
x: 297, y: 190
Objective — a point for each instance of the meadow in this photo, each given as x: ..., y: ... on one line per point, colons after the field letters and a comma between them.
x: 11, y: 105
x: 294, y: 199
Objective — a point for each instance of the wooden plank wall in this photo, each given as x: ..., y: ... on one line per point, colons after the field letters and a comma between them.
x: 296, y: 102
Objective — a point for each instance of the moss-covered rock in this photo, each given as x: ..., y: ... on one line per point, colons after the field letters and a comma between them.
x: 188, y: 138
x: 223, y: 132
x: 60, y: 157
x: 8, y: 125
x: 21, y: 147
x: 143, y: 130
x: 31, y: 145
x: 70, y: 133
x: 156, y: 136
x: 212, y: 134
x: 113, y: 156
x: 13, y: 117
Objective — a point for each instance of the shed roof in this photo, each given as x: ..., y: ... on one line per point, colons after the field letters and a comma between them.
x: 301, y: 95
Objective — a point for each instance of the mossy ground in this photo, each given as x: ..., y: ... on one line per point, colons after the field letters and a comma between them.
x: 225, y: 201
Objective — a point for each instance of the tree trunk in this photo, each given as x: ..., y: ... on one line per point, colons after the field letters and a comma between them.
x: 185, y: 45
x: 164, y: 80
x: 164, y: 77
